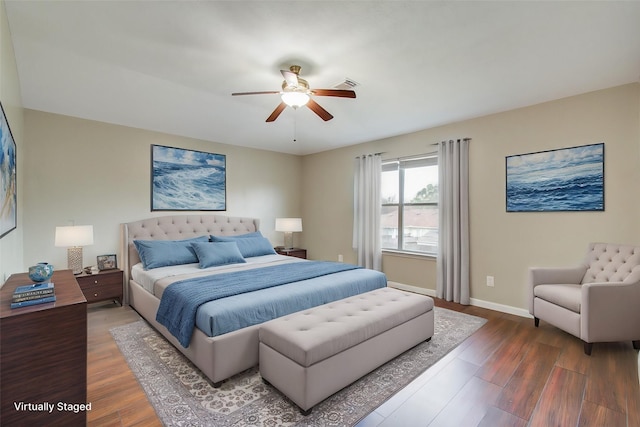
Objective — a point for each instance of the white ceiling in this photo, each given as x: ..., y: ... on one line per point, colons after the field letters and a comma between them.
x: 171, y: 66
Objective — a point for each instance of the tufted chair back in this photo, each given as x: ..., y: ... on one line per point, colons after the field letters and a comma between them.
x: 607, y: 262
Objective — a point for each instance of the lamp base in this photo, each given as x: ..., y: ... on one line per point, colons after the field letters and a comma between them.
x: 288, y: 240
x: 74, y: 259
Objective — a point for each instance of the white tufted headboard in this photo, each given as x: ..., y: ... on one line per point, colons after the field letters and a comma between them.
x: 175, y: 227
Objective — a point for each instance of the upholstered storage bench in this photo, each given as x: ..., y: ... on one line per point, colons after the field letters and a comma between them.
x: 311, y: 354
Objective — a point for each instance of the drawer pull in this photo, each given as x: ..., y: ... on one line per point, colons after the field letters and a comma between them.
x: 95, y: 295
x: 96, y: 282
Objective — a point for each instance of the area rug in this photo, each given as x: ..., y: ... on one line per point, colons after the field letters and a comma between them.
x: 183, y: 396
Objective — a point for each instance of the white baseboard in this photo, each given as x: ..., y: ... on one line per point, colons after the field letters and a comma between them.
x: 474, y: 301
x: 501, y: 308
x: 409, y: 288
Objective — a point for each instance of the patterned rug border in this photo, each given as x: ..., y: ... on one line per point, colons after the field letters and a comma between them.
x: 244, y: 400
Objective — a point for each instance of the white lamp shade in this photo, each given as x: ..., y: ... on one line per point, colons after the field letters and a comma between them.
x: 289, y: 224
x: 74, y: 235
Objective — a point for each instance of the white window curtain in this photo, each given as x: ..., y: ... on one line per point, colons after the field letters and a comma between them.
x: 453, y: 247
x: 366, y: 211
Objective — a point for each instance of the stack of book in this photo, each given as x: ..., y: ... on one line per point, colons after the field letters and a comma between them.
x: 37, y: 293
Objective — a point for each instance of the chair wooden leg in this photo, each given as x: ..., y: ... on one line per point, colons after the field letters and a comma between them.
x: 587, y: 348
x: 536, y: 321
x: 636, y: 344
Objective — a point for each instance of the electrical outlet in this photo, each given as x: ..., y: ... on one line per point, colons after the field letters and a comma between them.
x: 490, y: 281
x: 340, y: 258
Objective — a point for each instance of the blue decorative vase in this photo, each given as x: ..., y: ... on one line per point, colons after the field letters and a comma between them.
x: 40, y: 272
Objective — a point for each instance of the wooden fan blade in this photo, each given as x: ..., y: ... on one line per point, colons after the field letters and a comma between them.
x: 290, y: 77
x: 316, y: 108
x: 255, y: 93
x: 279, y: 109
x: 342, y: 93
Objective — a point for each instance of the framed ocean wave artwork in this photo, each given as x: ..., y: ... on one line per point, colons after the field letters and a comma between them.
x: 8, y: 178
x: 565, y: 179
x: 187, y: 180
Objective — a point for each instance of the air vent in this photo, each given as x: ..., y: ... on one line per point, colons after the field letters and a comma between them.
x: 347, y: 84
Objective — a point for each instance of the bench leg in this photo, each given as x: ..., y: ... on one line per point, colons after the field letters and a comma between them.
x: 636, y: 344
x: 587, y: 348
x: 218, y: 384
x: 306, y: 412
x: 536, y: 321
x: 428, y: 339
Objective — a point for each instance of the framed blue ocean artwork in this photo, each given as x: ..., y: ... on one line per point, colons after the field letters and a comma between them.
x: 8, y: 180
x: 566, y: 179
x: 187, y: 180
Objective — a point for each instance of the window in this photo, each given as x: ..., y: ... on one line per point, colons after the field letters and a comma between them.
x: 409, y: 217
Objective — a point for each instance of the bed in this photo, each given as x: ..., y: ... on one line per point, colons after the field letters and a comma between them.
x: 216, y: 348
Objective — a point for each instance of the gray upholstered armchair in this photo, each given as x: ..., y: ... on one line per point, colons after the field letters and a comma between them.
x: 597, y: 301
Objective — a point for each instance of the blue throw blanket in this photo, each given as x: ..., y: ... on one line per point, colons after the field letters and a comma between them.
x: 180, y: 300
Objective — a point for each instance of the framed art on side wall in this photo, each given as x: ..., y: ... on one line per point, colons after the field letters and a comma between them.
x: 187, y: 180
x: 8, y: 178
x: 565, y: 179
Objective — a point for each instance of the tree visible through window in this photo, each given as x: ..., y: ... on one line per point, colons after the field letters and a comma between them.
x: 409, y: 218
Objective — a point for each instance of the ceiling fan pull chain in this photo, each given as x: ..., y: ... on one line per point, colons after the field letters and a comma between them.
x: 295, y: 122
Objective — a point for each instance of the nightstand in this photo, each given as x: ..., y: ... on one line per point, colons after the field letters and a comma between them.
x: 296, y: 252
x: 102, y: 286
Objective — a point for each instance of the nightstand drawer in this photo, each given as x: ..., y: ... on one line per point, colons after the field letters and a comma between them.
x: 94, y: 293
x: 100, y: 279
x: 102, y: 286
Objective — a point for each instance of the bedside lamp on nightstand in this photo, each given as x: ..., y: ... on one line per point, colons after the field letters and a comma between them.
x: 74, y: 237
x: 288, y: 226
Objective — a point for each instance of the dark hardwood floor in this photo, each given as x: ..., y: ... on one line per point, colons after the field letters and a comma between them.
x: 506, y: 374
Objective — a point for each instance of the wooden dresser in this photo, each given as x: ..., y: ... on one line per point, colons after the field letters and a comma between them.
x: 43, y: 356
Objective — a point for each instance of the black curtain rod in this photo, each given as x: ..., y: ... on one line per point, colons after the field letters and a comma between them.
x: 460, y: 139
x: 374, y: 154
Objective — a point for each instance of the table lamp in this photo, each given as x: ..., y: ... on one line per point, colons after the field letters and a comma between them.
x: 74, y: 237
x: 288, y: 226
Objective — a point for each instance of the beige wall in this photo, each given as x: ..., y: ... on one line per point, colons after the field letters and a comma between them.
x: 11, y: 260
x: 94, y: 173
x: 503, y: 244
x: 99, y: 174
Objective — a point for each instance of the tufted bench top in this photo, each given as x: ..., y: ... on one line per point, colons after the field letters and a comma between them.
x: 311, y: 336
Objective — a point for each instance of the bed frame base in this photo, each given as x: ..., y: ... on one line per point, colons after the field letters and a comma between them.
x: 217, y: 357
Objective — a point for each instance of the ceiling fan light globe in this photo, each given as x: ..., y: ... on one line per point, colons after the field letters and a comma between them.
x: 295, y: 99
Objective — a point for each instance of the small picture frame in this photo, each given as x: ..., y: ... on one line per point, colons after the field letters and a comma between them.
x: 107, y: 262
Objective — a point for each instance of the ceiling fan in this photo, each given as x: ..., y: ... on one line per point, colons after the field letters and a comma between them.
x: 296, y: 93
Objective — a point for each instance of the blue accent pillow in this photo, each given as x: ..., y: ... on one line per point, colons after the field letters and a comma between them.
x: 162, y: 253
x: 239, y: 236
x: 248, y: 246
x: 218, y: 253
